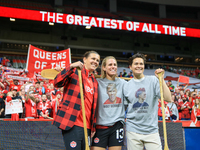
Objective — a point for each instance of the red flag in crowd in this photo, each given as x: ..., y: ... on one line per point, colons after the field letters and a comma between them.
x: 184, y: 79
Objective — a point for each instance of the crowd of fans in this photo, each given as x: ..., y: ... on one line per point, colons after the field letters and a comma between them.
x: 124, y: 74
x: 184, y: 106
x: 40, y: 99
x: 185, y: 102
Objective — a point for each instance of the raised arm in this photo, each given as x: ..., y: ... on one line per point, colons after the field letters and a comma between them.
x: 1, y: 84
x: 177, y: 85
x: 7, y: 81
x: 185, y: 87
x: 65, y: 75
x: 166, y: 91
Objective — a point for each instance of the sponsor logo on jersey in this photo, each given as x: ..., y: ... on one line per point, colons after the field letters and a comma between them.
x: 89, y: 90
x: 73, y: 144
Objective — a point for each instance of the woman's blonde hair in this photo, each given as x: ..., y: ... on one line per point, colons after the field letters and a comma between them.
x: 103, y: 64
x: 198, y: 103
x: 9, y: 94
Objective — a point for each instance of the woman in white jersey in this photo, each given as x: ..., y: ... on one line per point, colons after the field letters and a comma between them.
x: 110, y: 108
x: 142, y: 116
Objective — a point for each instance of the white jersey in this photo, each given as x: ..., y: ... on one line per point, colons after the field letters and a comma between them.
x: 110, y: 107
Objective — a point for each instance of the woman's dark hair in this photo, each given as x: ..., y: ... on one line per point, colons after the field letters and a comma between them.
x: 138, y: 55
x: 86, y: 55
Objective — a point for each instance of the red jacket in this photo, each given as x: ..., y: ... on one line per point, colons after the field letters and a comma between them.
x: 70, y: 107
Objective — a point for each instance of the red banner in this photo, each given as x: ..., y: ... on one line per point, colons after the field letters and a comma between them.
x: 98, y: 22
x: 39, y: 59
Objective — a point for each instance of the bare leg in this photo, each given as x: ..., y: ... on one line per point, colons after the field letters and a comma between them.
x: 97, y: 148
x: 115, y: 148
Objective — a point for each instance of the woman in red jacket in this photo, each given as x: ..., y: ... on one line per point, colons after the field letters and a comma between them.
x: 69, y: 115
x: 55, y: 103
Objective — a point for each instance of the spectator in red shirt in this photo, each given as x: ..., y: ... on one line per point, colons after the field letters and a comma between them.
x: 43, y: 107
x: 187, y: 93
x: 177, y: 103
x: 193, y: 98
x: 48, y: 94
x: 5, y: 62
x: 120, y: 74
x: 55, y: 103
x: 15, y: 96
x: 166, y: 109
x: 15, y: 85
x: 31, y: 106
x: 6, y: 84
x: 184, y: 109
x: 46, y: 83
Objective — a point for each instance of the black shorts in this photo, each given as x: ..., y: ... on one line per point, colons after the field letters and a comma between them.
x: 112, y: 136
x: 74, y: 138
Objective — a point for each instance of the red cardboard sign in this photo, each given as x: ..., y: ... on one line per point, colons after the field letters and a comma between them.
x: 184, y: 79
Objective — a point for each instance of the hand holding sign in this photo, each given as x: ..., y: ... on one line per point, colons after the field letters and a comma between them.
x: 14, y: 106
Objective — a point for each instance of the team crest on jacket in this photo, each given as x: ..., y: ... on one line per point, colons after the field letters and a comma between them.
x: 96, y: 140
x: 73, y: 144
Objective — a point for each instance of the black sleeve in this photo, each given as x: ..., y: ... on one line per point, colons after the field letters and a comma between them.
x: 3, y: 106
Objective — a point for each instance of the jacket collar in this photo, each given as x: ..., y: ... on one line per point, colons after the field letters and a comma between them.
x: 87, y: 73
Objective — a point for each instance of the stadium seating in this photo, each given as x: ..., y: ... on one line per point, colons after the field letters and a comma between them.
x: 28, y: 5
x: 20, y: 65
x: 15, y: 64
x: 23, y: 63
